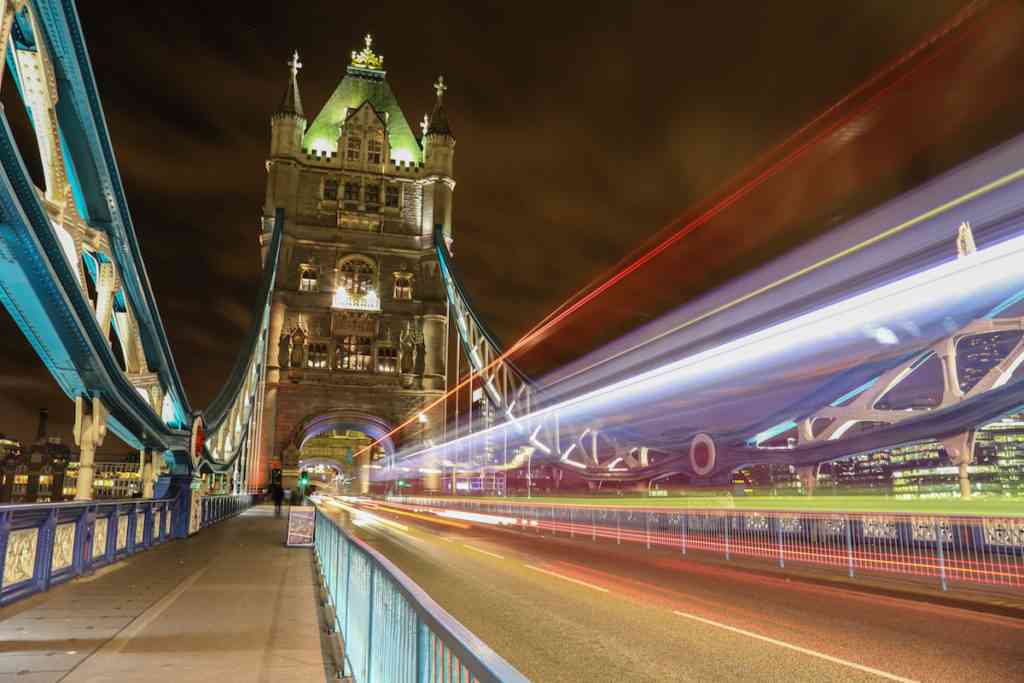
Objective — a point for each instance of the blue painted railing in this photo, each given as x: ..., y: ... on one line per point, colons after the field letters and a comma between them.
x: 218, y: 508
x: 42, y: 545
x: 392, y: 631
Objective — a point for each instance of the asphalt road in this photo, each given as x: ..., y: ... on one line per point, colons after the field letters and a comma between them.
x: 575, y: 610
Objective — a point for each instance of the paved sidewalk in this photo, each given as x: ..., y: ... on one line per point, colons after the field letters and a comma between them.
x: 229, y: 604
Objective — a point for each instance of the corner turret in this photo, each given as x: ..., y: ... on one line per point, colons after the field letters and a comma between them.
x: 288, y: 124
x: 438, y: 157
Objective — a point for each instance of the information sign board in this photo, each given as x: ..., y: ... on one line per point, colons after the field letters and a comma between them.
x: 300, y: 526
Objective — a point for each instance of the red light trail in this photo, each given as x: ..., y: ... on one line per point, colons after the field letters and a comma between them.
x: 593, y: 290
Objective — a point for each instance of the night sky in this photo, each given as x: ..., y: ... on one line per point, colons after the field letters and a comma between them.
x: 580, y: 133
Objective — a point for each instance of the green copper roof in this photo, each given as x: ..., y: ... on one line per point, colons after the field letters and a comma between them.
x: 358, y: 86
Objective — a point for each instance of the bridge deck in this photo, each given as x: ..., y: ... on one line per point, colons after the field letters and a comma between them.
x: 229, y: 604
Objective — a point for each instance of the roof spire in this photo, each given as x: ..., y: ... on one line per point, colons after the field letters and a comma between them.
x: 292, y: 103
x: 437, y: 124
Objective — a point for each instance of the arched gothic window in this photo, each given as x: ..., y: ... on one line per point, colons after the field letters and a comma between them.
x: 357, y: 284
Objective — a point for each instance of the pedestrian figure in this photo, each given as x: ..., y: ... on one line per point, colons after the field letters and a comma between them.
x: 277, y: 493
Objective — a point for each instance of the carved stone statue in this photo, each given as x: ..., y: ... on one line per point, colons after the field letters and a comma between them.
x: 407, y: 348
x: 298, y: 347
x: 284, y: 350
x: 421, y: 352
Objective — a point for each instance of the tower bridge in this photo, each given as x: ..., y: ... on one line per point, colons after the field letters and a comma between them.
x: 902, y: 325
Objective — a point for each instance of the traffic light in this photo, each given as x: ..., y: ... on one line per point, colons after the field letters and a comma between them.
x: 303, y: 480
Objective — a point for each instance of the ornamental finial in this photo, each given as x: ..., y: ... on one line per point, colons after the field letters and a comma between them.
x: 440, y: 87
x: 366, y: 58
x: 425, y: 124
x: 295, y: 64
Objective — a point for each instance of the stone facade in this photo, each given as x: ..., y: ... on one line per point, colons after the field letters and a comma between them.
x: 358, y: 318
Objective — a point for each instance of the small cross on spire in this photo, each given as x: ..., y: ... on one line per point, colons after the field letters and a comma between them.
x: 440, y: 87
x: 295, y: 64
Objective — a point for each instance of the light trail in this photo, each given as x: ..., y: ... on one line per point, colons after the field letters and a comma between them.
x: 570, y: 306
x: 905, y: 298
x: 433, y: 519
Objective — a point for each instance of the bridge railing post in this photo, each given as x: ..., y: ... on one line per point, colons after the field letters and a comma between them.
x: 782, y: 547
x: 684, y: 521
x: 728, y: 523
x: 422, y: 651
x: 942, y: 559
x: 849, y: 546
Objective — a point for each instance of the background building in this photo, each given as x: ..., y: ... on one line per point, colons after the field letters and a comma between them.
x: 919, y: 470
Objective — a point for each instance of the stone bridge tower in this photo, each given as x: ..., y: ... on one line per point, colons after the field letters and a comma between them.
x: 358, y: 320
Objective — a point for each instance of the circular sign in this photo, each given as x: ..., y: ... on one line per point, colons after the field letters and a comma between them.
x: 198, y: 439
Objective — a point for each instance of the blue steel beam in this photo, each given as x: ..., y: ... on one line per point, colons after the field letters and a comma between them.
x: 98, y: 181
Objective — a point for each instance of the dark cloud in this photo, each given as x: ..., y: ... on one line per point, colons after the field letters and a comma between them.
x: 582, y: 130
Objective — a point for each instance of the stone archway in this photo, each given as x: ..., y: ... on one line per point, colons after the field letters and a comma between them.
x: 341, y: 423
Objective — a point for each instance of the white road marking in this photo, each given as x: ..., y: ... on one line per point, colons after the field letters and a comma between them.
x: 566, y: 578
x: 481, y: 550
x: 797, y: 648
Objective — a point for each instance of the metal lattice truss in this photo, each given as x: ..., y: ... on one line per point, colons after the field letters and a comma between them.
x: 74, y: 280
x: 232, y: 433
x: 71, y: 270
x: 508, y: 390
x: 870, y: 404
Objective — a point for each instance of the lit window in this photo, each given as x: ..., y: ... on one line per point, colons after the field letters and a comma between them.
x: 351, y: 192
x: 317, y: 356
x: 357, y: 286
x: 387, y: 359
x: 391, y: 196
x: 353, y: 353
x: 357, y: 276
x: 331, y: 189
x: 403, y: 287
x: 355, y: 149
x: 373, y: 194
x: 308, y: 281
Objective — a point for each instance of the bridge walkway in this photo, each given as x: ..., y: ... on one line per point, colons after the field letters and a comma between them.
x: 229, y: 604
